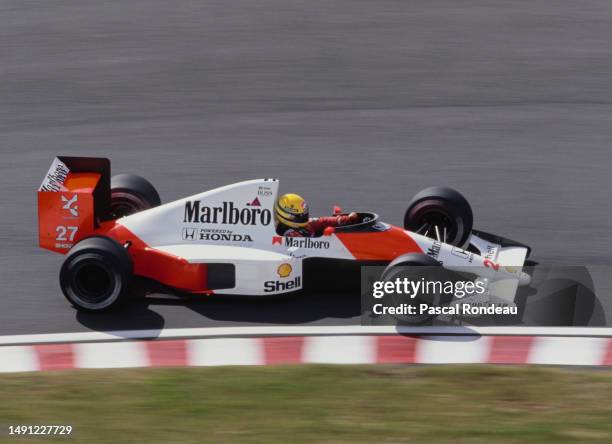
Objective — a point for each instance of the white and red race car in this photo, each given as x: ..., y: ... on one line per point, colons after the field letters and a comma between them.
x: 224, y: 241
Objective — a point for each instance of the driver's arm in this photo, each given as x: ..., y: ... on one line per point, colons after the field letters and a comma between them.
x: 321, y: 223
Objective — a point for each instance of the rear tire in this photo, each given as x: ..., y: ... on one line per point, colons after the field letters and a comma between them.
x: 96, y: 274
x: 131, y: 194
x: 444, y: 208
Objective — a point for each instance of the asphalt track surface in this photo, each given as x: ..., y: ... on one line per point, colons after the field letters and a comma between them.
x: 356, y: 103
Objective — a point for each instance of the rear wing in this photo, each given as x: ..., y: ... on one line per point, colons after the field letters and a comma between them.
x: 72, y: 199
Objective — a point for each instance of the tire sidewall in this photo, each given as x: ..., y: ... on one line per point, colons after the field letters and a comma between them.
x: 107, y: 255
x: 135, y: 191
x: 394, y: 269
x: 450, y: 202
x: 450, y: 210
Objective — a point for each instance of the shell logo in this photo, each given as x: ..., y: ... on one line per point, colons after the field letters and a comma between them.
x: 284, y: 270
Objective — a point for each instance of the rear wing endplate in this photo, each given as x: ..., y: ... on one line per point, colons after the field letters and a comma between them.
x: 72, y: 198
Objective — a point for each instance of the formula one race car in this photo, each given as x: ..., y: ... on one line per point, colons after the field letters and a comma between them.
x: 224, y: 241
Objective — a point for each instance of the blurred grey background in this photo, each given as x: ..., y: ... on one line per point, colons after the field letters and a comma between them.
x: 356, y: 103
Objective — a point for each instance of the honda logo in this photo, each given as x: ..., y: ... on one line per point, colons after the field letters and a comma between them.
x: 189, y: 233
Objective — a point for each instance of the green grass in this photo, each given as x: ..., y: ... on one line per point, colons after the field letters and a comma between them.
x: 303, y: 404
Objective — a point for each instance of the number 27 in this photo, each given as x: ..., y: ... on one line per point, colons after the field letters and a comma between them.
x: 66, y: 233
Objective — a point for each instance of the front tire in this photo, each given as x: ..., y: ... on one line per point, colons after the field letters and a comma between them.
x: 96, y: 274
x: 440, y: 213
x: 414, y: 267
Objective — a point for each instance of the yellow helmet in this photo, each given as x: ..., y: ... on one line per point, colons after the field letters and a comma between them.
x: 291, y: 210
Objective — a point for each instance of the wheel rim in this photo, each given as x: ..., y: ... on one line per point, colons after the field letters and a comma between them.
x: 124, y: 204
x: 437, y: 224
x: 92, y: 282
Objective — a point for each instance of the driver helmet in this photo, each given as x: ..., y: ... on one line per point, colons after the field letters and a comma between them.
x: 291, y: 210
